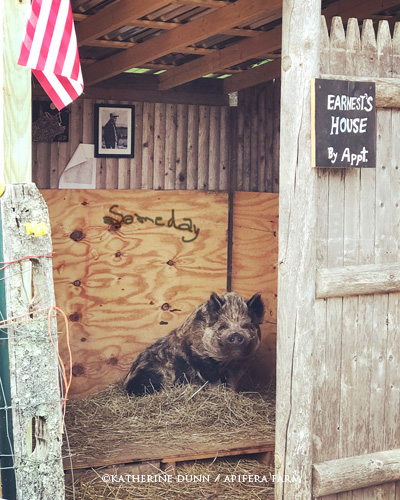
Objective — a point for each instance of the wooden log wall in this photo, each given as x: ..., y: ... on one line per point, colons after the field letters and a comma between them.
x: 357, y: 353
x: 255, y: 144
x: 180, y: 146
x: 177, y: 146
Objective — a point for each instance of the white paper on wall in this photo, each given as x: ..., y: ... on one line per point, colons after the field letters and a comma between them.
x: 80, y: 173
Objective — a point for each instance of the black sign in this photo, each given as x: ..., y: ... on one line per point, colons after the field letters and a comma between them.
x: 343, y: 128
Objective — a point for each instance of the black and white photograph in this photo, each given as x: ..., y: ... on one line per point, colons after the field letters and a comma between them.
x: 114, y: 131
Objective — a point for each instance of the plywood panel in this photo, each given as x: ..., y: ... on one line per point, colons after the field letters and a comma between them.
x: 124, y: 288
x: 254, y: 265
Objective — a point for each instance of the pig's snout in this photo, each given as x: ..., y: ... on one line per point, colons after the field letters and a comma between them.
x: 236, y: 338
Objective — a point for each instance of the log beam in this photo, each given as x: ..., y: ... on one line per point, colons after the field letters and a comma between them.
x: 353, y: 473
x: 357, y: 280
x: 387, y: 89
x: 254, y: 76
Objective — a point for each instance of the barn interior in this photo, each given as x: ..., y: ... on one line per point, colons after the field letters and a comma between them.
x: 203, y: 78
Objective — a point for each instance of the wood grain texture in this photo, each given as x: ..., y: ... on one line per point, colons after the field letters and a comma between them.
x: 387, y: 88
x: 171, y: 453
x: 204, y: 147
x: 159, y: 146
x: 254, y: 267
x: 124, y: 289
x: 15, y: 163
x: 34, y: 368
x: 392, y: 434
x: 193, y: 148
x: 357, y: 280
x: 256, y: 149
x: 181, y: 157
x: 357, y: 472
x: 297, y: 252
x: 356, y: 235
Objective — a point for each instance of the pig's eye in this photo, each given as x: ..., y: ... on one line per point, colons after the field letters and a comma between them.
x: 247, y: 326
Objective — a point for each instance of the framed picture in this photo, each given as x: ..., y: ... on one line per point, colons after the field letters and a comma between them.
x: 114, y: 128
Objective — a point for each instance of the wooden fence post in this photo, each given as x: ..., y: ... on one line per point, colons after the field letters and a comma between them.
x: 16, y: 105
x: 35, y: 393
x: 297, y: 254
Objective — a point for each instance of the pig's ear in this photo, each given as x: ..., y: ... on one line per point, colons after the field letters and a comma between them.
x: 256, y: 308
x: 215, y: 303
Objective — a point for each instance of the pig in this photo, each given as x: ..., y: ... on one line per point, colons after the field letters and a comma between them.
x: 46, y: 127
x: 212, y: 345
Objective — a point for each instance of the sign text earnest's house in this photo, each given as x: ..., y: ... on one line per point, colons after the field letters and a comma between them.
x: 343, y: 128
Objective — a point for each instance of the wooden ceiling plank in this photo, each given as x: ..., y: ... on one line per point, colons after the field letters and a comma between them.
x: 203, y: 3
x: 182, y: 36
x: 253, y: 76
x: 113, y: 17
x: 157, y: 15
x: 241, y: 32
x: 113, y: 44
x: 234, y: 54
x: 200, y: 51
x: 174, y: 15
x: 193, y: 14
x: 156, y: 25
x: 266, y: 20
x: 261, y: 21
x: 79, y: 17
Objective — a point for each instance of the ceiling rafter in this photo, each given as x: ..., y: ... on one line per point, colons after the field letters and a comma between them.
x: 253, y: 76
x: 224, y: 58
x: 116, y: 44
x: 169, y: 25
x: 225, y: 18
x: 202, y: 3
x: 154, y: 35
x: 113, y: 17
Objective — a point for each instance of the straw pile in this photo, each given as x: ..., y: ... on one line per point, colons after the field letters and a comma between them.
x: 177, y: 413
x: 103, y: 424
x: 223, y: 479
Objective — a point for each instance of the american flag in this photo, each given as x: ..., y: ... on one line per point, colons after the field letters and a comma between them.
x: 51, y: 51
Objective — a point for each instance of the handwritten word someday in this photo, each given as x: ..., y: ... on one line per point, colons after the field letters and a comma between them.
x: 186, y: 225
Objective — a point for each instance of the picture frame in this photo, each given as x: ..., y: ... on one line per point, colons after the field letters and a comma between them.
x: 48, y: 123
x: 114, y: 131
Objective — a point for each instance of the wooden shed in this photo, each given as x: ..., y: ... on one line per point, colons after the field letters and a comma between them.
x: 220, y: 93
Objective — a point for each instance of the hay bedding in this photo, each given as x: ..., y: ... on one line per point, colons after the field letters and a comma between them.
x: 91, y: 486
x: 178, y: 415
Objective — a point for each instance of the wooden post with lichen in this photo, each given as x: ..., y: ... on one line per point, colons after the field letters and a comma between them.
x: 297, y: 252
x: 35, y: 392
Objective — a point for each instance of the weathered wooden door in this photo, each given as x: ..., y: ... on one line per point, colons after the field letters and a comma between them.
x: 354, y: 358
x: 357, y: 355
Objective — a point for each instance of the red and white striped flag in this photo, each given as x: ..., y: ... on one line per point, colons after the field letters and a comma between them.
x: 51, y: 51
